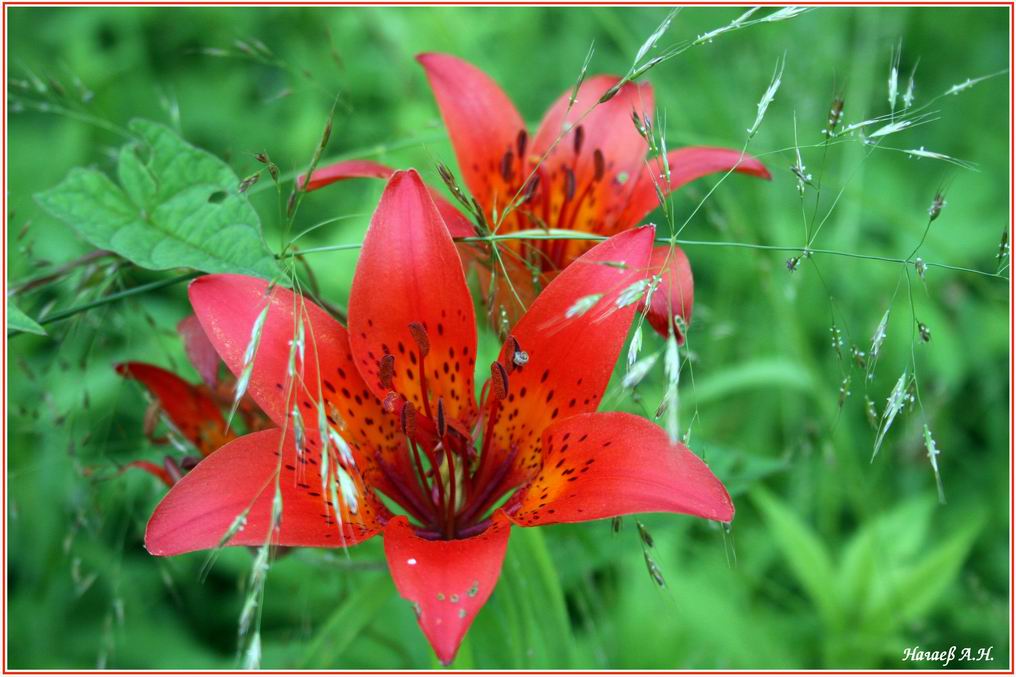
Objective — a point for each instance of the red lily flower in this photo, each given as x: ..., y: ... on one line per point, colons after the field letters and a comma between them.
x: 584, y: 170
x: 195, y: 410
x: 393, y: 398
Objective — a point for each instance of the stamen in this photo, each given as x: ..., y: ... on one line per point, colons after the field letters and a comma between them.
x: 598, y: 165
x: 498, y: 381
x: 419, y: 335
x: 569, y: 183
x: 520, y: 143
x: 414, y: 500
x: 386, y: 370
x: 442, y: 425
x: 531, y: 187
x: 506, y: 165
x: 408, y: 420
x: 389, y: 402
x: 519, y: 357
x: 580, y: 135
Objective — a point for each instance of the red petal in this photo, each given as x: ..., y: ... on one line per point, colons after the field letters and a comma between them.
x: 155, y: 470
x: 446, y: 581
x: 686, y: 165
x: 458, y: 225
x: 603, y: 465
x: 571, y: 359
x: 675, y: 295
x: 229, y: 305
x: 481, y: 120
x: 606, y: 126
x: 514, y: 289
x: 348, y: 169
x: 188, y: 407
x: 199, y: 349
x: 409, y: 272
x: 199, y: 510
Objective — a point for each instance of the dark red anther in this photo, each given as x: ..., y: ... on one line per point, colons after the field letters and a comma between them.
x: 408, y: 420
x: 498, y: 381
x: 569, y: 183
x: 519, y: 356
x: 386, y: 370
x: 419, y: 335
x: 514, y: 355
x: 580, y: 136
x: 442, y: 424
x: 173, y: 470
x: 520, y: 143
x: 598, y: 165
x: 531, y: 187
x: 390, y: 401
x: 506, y: 165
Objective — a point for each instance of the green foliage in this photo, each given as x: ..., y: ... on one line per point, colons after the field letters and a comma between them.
x: 18, y: 321
x: 176, y: 206
x: 891, y: 573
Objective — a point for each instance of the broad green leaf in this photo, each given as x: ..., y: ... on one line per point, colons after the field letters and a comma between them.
x: 527, y: 613
x: 347, y: 622
x: 761, y: 373
x: 916, y: 589
x: 18, y: 321
x: 176, y: 207
x: 804, y: 552
x: 885, y: 543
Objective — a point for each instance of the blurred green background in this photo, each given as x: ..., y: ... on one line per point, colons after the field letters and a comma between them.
x: 832, y: 562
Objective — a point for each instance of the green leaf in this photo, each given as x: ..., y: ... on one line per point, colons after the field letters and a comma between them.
x: 349, y: 619
x: 18, y: 321
x: 804, y: 552
x: 176, y: 206
x: 885, y: 543
x: 916, y: 589
x: 526, y: 619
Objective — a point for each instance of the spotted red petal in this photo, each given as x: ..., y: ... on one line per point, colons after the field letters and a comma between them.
x: 592, y: 167
x: 608, y: 464
x: 189, y: 408
x: 446, y: 581
x: 606, y: 127
x: 199, y: 349
x: 686, y: 165
x: 228, y: 307
x: 409, y: 285
x: 482, y: 123
x: 675, y: 295
x: 572, y: 348
x: 239, y: 481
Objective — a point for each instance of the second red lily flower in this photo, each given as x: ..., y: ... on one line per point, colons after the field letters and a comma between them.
x: 584, y: 170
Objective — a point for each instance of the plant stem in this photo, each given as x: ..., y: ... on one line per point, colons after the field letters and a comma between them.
x: 117, y: 296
